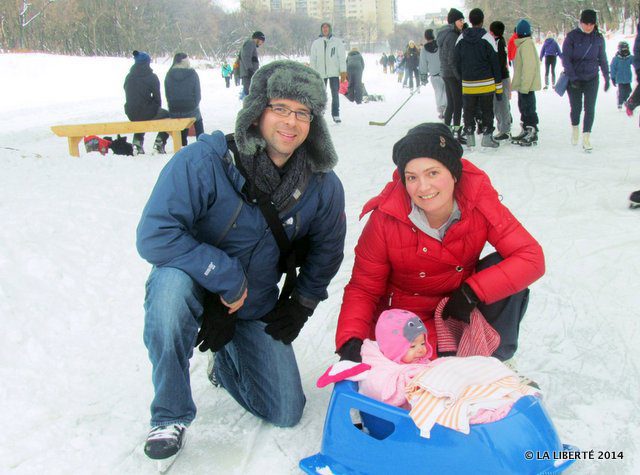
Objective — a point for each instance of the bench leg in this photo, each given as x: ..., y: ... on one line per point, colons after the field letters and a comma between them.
x: 177, y: 140
x: 74, y: 149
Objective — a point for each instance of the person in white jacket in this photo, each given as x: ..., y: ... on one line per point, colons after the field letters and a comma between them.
x: 329, y: 59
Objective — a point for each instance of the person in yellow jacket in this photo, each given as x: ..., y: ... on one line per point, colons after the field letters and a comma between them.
x: 526, y: 80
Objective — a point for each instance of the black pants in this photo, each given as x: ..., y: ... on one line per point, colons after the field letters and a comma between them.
x: 624, y: 91
x: 576, y: 90
x: 198, y: 126
x: 246, y: 83
x: 471, y: 103
x: 504, y: 315
x: 227, y: 81
x: 550, y: 63
x: 413, y: 72
x: 334, y: 85
x: 354, y: 92
x: 453, y: 88
x: 162, y: 136
x: 527, y: 106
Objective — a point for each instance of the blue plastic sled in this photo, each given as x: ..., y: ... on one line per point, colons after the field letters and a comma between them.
x: 524, y: 442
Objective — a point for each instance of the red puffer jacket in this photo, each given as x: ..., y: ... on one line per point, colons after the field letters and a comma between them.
x: 399, y: 266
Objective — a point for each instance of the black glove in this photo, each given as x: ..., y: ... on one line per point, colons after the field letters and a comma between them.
x: 351, y: 350
x: 286, y: 320
x: 499, y: 97
x: 218, y: 325
x: 606, y: 85
x: 424, y: 80
x: 614, y: 83
x: 460, y: 304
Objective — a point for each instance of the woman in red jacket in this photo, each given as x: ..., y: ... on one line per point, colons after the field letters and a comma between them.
x: 423, y: 242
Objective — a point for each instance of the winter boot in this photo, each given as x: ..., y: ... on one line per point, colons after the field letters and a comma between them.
x: 634, y: 200
x: 586, y: 142
x: 575, y: 134
x: 336, y: 119
x: 159, y: 144
x: 470, y: 136
x: 488, y: 140
x: 531, y: 138
x: 164, y: 442
x: 137, y: 145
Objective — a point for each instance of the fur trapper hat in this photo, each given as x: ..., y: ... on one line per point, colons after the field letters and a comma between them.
x: 431, y: 140
x: 287, y: 80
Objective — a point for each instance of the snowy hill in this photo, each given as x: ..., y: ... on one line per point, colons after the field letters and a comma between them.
x: 75, y: 375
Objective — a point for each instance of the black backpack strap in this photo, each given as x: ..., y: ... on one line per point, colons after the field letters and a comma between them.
x: 287, y: 262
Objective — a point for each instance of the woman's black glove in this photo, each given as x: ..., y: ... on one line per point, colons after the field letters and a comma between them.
x: 286, y: 320
x: 462, y: 301
x: 218, y: 325
x: 351, y: 350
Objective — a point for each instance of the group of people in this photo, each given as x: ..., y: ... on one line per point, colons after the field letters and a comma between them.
x: 144, y: 100
x: 231, y: 214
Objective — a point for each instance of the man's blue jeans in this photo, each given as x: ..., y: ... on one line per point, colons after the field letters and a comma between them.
x: 259, y: 372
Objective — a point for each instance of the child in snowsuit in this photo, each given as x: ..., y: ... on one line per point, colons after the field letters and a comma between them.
x: 400, y: 353
x: 621, y: 72
x: 227, y: 72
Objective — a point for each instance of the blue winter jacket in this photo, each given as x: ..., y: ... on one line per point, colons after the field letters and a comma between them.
x: 575, y: 46
x: 621, y: 69
x: 198, y: 220
x: 550, y: 48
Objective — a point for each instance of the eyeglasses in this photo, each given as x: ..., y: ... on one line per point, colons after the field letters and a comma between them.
x: 282, y: 111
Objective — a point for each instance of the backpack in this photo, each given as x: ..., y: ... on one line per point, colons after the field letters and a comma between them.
x: 93, y: 143
x: 120, y: 146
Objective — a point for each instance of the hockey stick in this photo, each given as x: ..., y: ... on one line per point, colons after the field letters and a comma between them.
x: 373, y: 122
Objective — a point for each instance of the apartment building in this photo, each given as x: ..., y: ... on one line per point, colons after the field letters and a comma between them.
x: 361, y: 20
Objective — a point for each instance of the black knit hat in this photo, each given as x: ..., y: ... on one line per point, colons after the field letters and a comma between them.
x: 258, y: 35
x: 497, y: 28
x: 431, y: 140
x: 476, y: 17
x: 454, y: 15
x: 588, y: 16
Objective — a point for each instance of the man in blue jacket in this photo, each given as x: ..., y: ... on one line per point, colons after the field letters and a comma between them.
x: 214, y: 253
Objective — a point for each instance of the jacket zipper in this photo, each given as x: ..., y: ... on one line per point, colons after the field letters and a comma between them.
x: 390, y: 298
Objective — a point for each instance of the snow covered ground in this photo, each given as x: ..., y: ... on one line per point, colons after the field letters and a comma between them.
x: 75, y: 376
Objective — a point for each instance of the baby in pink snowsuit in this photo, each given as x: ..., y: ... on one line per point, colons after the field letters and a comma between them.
x: 400, y: 352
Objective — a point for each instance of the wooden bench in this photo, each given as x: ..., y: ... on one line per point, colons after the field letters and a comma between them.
x: 76, y: 132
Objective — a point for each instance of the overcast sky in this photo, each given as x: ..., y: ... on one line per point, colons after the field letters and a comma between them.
x: 407, y: 9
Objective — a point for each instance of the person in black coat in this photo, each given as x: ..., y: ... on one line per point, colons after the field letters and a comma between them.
x: 143, y: 101
x: 182, y: 89
x: 355, y: 67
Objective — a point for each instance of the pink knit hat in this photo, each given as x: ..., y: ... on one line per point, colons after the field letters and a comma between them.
x: 395, y: 331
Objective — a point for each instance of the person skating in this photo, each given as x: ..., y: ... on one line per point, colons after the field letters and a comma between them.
x: 583, y: 53
x: 502, y: 108
x: 621, y: 75
x: 249, y: 62
x: 329, y: 59
x: 446, y: 39
x: 476, y: 59
x: 526, y: 80
x: 550, y: 52
x: 429, y: 68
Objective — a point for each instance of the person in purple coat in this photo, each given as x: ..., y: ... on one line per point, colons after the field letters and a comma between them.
x: 583, y: 53
x: 550, y: 52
